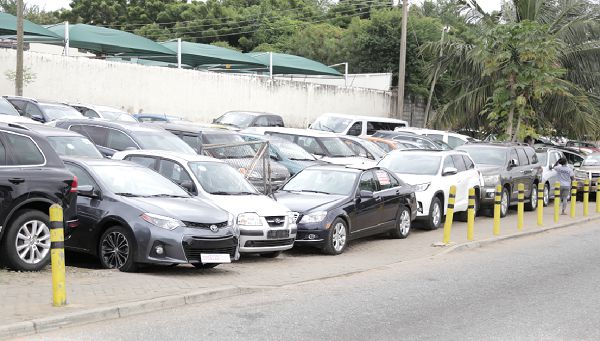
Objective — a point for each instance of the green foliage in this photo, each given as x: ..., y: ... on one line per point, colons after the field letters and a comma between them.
x: 224, y: 44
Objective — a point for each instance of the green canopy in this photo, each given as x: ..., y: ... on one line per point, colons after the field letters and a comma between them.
x: 195, y: 54
x: 287, y: 64
x: 104, y: 40
x: 8, y: 27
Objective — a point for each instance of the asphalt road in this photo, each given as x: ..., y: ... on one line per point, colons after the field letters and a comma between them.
x: 543, y: 287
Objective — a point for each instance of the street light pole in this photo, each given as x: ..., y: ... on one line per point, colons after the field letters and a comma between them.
x: 402, y: 63
x: 19, y: 70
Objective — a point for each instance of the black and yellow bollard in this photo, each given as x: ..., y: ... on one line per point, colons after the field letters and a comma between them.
x: 449, y: 214
x: 520, y: 206
x: 586, y: 198
x: 573, y: 198
x: 471, y: 214
x: 540, y: 208
x: 556, y: 201
x: 57, y: 252
x: 497, y: 203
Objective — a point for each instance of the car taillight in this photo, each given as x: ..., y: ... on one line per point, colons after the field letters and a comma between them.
x: 74, y: 184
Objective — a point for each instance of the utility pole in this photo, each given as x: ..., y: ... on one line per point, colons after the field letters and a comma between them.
x: 435, y: 74
x: 19, y: 71
x: 402, y: 64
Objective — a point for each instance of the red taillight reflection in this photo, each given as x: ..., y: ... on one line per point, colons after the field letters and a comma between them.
x: 74, y: 185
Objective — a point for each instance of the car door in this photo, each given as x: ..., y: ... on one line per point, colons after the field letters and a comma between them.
x: 368, y: 210
x: 449, y: 180
x: 462, y: 184
x: 472, y: 174
x: 389, y: 191
x: 9, y: 179
x: 175, y: 172
x: 526, y: 173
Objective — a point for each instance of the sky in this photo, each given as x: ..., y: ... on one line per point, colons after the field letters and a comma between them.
x: 50, y: 5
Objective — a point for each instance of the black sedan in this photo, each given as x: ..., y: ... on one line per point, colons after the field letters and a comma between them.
x: 130, y: 214
x: 337, y: 204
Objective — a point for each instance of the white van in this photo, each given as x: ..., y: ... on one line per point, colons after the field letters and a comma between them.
x: 452, y: 139
x: 355, y: 125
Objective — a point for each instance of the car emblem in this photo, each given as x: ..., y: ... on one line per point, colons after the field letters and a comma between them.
x: 214, y: 228
x: 277, y: 221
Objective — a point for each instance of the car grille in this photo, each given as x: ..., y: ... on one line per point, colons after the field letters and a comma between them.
x: 194, y: 254
x: 268, y: 243
x: 277, y: 221
x: 195, y: 225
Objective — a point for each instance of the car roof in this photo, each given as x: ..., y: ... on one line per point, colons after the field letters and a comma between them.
x: 99, y: 162
x: 362, y: 117
x: 291, y: 131
x: 171, y: 155
x: 428, y: 151
x: 253, y: 113
x: 46, y: 130
x: 130, y: 126
x: 193, y: 127
x: 97, y: 107
x: 495, y: 144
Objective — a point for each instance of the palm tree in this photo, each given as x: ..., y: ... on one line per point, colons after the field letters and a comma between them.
x: 569, y: 101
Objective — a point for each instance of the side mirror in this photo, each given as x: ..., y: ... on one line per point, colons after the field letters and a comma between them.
x: 88, y: 191
x: 365, y: 194
x: 577, y: 164
x: 512, y: 163
x: 37, y: 118
x: 188, y: 186
x: 449, y: 171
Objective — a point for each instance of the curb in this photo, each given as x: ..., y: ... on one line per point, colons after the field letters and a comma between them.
x: 121, y: 310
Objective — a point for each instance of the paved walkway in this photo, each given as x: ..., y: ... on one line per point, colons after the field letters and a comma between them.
x: 27, y: 296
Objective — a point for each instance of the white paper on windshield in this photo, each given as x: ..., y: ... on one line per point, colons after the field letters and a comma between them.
x: 215, y: 258
x: 383, y: 177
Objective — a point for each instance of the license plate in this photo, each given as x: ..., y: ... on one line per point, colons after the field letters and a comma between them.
x: 278, y: 234
x: 215, y: 258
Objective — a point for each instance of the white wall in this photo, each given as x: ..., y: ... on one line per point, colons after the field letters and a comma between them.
x: 199, y: 96
x: 375, y: 81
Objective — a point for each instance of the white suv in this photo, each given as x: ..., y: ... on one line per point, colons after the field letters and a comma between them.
x: 266, y: 227
x: 432, y: 173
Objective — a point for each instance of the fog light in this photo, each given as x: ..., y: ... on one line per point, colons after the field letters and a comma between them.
x: 312, y: 236
x: 159, y: 250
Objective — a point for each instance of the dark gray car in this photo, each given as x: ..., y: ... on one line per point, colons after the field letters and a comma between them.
x: 509, y: 165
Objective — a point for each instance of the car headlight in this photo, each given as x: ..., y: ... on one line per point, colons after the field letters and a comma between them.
x: 292, y: 217
x: 422, y: 187
x: 491, y: 180
x: 314, y: 217
x: 230, y: 220
x: 249, y: 219
x: 166, y: 223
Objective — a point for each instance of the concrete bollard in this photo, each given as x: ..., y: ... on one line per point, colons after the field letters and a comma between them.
x: 471, y: 214
x: 497, y: 203
x: 520, y: 206
x: 57, y: 254
x: 449, y: 214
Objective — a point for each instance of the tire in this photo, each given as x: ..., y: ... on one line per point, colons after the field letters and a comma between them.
x: 273, y: 254
x: 116, y: 249
x: 434, y: 222
x: 26, y: 243
x: 505, y: 200
x: 402, y: 224
x: 533, y: 199
x: 546, y: 194
x: 337, y: 239
x: 203, y: 266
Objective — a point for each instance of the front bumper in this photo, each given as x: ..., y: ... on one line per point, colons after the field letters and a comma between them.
x: 268, y: 237
x: 313, y: 234
x: 488, y: 196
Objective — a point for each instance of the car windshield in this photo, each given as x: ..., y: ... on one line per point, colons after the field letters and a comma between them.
x: 322, y: 181
x: 74, y: 146
x: 229, y: 152
x: 592, y: 160
x: 542, y: 157
x: 373, y: 149
x: 292, y: 151
x: 336, y: 147
x: 7, y: 109
x: 410, y: 163
x: 117, y: 116
x: 235, y: 118
x: 331, y: 124
x: 162, y: 140
x: 148, y: 183
x: 57, y: 112
x: 220, y: 178
x: 487, y: 156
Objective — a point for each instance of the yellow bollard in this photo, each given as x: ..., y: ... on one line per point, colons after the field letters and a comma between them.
x: 449, y: 214
x: 520, y: 206
x: 573, y: 198
x: 540, y: 208
x: 497, y: 203
x: 471, y: 214
x: 598, y: 196
x: 586, y: 198
x: 556, y: 201
x: 57, y: 251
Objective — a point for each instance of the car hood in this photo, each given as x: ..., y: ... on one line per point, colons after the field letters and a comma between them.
x: 304, y: 202
x: 415, y: 179
x: 489, y: 169
x: 16, y: 119
x: 347, y: 161
x: 185, y: 209
x: 260, y: 204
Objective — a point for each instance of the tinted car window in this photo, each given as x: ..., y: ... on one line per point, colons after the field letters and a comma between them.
x: 261, y: 121
x: 7, y: 109
x: 19, y: 105
x: 118, y: 140
x: 523, y: 160
x: 173, y: 171
x: 74, y: 146
x: 459, y: 163
x: 514, y: 156
x: 32, y: 110
x: 310, y: 144
x: 384, y: 180
x: 357, y: 148
x: 192, y: 141
x: 356, y: 129
x: 27, y: 153
x: 373, y: 127
x: 83, y: 177
x: 448, y: 162
x: 145, y: 161
x: 455, y: 141
x: 2, y: 154
x: 290, y: 138
x: 96, y: 134
x: 531, y: 155
x: 468, y: 163
x: 90, y: 113
x: 435, y: 137
x: 367, y: 182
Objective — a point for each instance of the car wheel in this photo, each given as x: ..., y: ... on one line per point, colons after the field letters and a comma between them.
x: 274, y: 254
x: 533, y: 199
x: 337, y: 239
x: 116, y: 249
x: 402, y: 228
x: 204, y: 266
x: 436, y: 214
x: 504, y: 202
x: 26, y: 245
x: 546, y: 194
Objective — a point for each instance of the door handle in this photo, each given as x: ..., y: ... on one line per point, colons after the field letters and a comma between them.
x: 378, y: 199
x: 16, y: 181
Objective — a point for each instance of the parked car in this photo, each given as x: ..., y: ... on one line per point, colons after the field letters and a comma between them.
x: 66, y: 142
x: 133, y: 215
x: 324, y: 146
x: 111, y: 137
x: 355, y: 125
x: 234, y: 150
x: 150, y: 118
x: 42, y: 111
x: 548, y: 157
x: 508, y: 165
x: 266, y: 227
x: 422, y: 141
x: 32, y: 177
x: 363, y: 147
x: 389, y: 145
x: 245, y: 119
x: 452, y: 139
x: 8, y: 113
x: 104, y: 112
x: 574, y: 158
x: 582, y: 147
x: 337, y: 204
x: 589, y: 169
x: 288, y: 154
x: 432, y: 173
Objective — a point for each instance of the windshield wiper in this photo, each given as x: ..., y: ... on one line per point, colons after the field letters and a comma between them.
x: 295, y: 159
x: 311, y: 191
x: 232, y: 193
x: 129, y: 195
x: 165, y: 196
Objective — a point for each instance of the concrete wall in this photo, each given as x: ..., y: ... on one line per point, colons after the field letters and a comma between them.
x: 199, y: 96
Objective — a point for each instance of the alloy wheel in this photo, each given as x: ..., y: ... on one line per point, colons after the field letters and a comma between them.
x: 404, y: 223
x: 546, y: 195
x: 436, y: 214
x: 115, y: 250
x: 534, y: 199
x: 504, y: 202
x: 33, y: 241
x: 339, y: 237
